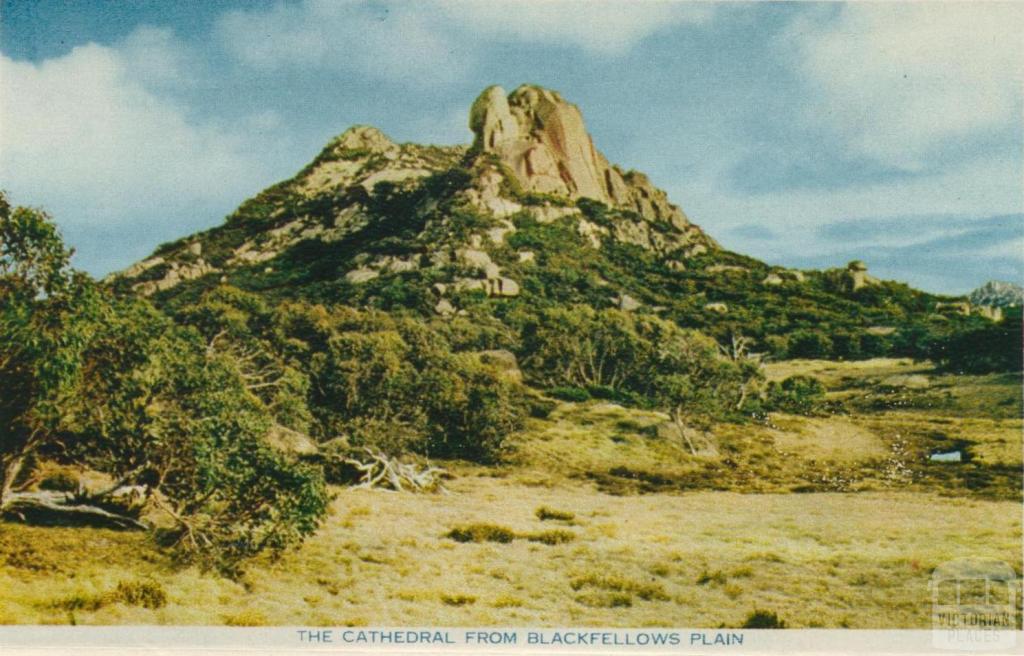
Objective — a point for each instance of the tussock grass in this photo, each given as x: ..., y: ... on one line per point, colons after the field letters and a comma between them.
x: 481, y: 533
x: 551, y: 537
x: 457, y: 599
x: 645, y: 591
x: 544, y: 514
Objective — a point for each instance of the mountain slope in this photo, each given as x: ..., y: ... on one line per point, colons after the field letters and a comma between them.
x: 531, y: 215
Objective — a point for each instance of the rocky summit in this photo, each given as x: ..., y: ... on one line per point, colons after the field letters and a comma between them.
x: 544, y: 142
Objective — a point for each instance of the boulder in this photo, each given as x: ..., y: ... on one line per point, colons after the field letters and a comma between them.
x: 627, y: 303
x: 474, y: 258
x: 362, y: 275
x: 502, y: 287
x: 504, y: 361
x: 720, y: 308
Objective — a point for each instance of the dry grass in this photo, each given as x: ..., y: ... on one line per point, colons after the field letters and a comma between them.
x: 534, y: 543
x: 699, y: 559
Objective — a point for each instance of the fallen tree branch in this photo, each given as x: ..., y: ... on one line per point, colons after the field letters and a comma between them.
x: 380, y: 469
x: 61, y: 509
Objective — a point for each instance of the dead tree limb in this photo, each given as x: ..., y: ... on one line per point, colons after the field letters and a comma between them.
x: 380, y: 470
x: 60, y: 508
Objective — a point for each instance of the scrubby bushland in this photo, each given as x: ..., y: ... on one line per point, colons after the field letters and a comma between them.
x: 118, y: 386
x: 991, y: 347
x: 638, y: 358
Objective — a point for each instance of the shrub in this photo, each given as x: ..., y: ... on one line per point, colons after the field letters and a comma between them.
x: 801, y: 395
x: 646, y: 591
x: 458, y: 599
x: 551, y: 537
x: 541, y: 408
x: 989, y: 348
x: 544, y: 513
x: 568, y: 393
x: 763, y: 619
x: 147, y: 594
x: 481, y: 533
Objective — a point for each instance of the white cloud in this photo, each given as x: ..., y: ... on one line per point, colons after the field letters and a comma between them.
x: 402, y: 41
x: 84, y: 135
x: 899, y: 81
x: 597, y: 26
x: 430, y: 42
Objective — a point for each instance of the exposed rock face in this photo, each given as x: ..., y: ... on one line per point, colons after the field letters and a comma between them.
x: 544, y: 142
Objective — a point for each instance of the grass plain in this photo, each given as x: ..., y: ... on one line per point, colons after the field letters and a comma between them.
x: 596, y: 520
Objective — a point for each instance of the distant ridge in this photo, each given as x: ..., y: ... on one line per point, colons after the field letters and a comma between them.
x: 997, y: 293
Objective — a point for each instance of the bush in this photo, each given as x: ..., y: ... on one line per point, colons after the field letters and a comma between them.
x: 808, y: 344
x: 573, y: 394
x: 147, y: 594
x: 458, y: 599
x: 994, y: 347
x: 551, y: 538
x: 800, y: 395
x: 763, y: 619
x: 481, y: 533
x: 544, y: 513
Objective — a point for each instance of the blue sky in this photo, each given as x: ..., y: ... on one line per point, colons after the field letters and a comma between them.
x: 804, y: 134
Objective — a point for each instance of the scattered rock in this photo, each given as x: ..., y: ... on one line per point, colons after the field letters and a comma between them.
x: 444, y: 308
x: 792, y: 274
x: 502, y: 287
x: 503, y: 360
x: 140, y: 267
x: 474, y: 258
x: 526, y: 257
x: 551, y: 213
x: 627, y: 303
x: 722, y: 268
x: 591, y: 231
x: 954, y: 307
x: 358, y: 276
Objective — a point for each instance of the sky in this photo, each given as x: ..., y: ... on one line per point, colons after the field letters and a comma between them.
x: 803, y: 134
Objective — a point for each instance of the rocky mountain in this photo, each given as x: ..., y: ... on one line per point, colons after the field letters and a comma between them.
x: 996, y: 293
x: 531, y: 154
x: 530, y: 215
